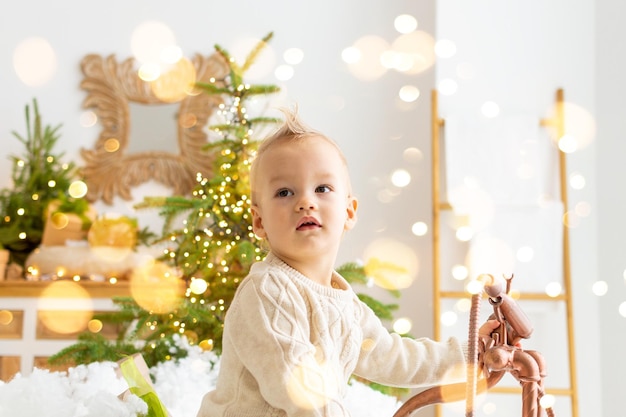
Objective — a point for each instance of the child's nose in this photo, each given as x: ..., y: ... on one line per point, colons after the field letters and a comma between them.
x: 306, y: 203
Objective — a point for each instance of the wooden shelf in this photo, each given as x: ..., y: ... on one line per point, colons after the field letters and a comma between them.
x: 36, y: 288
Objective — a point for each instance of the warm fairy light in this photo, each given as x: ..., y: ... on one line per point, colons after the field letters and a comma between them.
x: 553, y: 289
x: 547, y: 401
x: 568, y: 143
x: 65, y: 307
x: 475, y: 286
x: 402, y: 325
x: 405, y: 23
x: 525, y: 254
x: 293, y: 56
x: 94, y: 326
x: 409, y: 93
x: 464, y: 233
x: 34, y: 61
x: 419, y: 228
x: 22, y: 235
x: 284, y: 72
x: 459, y: 272
x: 600, y: 288
x: 88, y: 118
x: 489, y: 408
x: 463, y: 305
x: 392, y: 264
x: 449, y: 318
x: 111, y: 145
x: 401, y: 178
x: 447, y: 86
x: 412, y: 155
x: 20, y: 211
x: 368, y: 66
x: 414, y: 52
x: 198, y: 286
x: 577, y: 181
x: 6, y: 317
x: 490, y: 109
x: 77, y: 189
x: 52, y: 183
x: 445, y: 48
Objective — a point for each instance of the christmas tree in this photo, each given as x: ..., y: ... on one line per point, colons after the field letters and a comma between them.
x: 214, y: 247
x: 39, y: 176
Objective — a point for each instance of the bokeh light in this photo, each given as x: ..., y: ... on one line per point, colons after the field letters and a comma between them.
x: 553, y: 289
x: 580, y: 125
x: 525, y: 254
x: 600, y: 288
x: 293, y: 56
x: 149, y: 40
x: 490, y: 109
x: 392, y: 264
x: 449, y: 318
x: 413, y: 155
x: 400, y: 178
x: 402, y: 325
x: 77, y: 189
x: 490, y: 256
x: 88, y: 118
x: 198, y: 286
x: 65, y: 307
x: 447, y: 86
x: 445, y: 48
x: 6, y: 317
x: 419, y: 228
x: 547, y: 401
x: 364, y: 58
x: 622, y: 309
x: 157, y: 287
x: 409, y: 93
x: 577, y: 181
x: 175, y: 84
x: 568, y: 143
x: 34, y: 61
x: 284, y: 72
x: 414, y: 53
x: 405, y: 23
x: 460, y: 272
x: 312, y: 385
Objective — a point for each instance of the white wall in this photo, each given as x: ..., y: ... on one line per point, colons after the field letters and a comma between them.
x: 521, y: 52
x: 611, y: 171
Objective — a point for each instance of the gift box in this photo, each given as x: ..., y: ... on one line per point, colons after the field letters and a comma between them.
x: 4, y: 261
x: 63, y: 226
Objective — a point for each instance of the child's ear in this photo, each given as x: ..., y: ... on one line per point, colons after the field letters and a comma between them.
x: 257, y: 222
x: 353, y: 203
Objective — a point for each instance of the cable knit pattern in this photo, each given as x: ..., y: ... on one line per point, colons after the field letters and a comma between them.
x: 290, y: 345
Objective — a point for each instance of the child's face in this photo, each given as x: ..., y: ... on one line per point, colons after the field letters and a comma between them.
x: 303, y: 203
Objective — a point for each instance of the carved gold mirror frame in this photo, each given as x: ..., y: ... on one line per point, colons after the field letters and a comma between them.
x: 110, y: 87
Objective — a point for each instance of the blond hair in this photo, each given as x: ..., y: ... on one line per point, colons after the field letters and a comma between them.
x: 292, y: 129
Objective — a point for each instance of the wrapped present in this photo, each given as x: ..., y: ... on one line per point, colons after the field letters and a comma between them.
x: 63, y: 225
x: 135, y: 371
x: 4, y: 261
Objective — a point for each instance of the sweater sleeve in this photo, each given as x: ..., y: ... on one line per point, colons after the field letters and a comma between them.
x: 270, y: 333
x: 388, y: 358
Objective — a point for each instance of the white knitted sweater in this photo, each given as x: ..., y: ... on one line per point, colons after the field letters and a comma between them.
x: 290, y: 345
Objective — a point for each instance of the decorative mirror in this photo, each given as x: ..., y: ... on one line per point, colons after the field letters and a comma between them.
x: 120, y: 161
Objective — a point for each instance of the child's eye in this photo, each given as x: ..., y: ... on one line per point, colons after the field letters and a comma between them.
x: 323, y: 189
x: 284, y: 192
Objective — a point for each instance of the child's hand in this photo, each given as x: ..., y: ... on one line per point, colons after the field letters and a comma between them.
x: 488, y: 327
